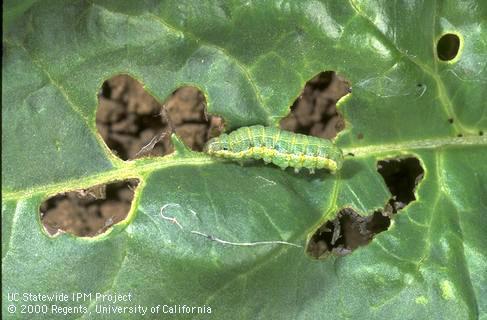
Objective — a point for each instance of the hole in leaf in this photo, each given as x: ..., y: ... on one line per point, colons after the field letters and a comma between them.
x: 459, y: 135
x: 448, y: 46
x: 88, y: 212
x: 450, y: 120
x: 345, y: 233
x: 133, y: 124
x: 350, y: 230
x: 401, y: 176
x: 481, y: 133
x: 314, y: 111
x: 106, y: 90
x: 186, y: 109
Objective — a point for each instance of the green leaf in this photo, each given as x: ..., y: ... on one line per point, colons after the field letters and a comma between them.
x: 251, y: 59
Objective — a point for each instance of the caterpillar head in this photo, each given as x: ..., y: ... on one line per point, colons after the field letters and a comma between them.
x: 338, y: 155
x: 214, y: 145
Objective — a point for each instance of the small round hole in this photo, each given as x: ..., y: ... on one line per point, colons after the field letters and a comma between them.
x: 450, y: 120
x: 447, y: 47
x: 481, y: 133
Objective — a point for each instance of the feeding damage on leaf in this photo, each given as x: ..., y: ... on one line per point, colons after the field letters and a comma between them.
x: 314, y: 112
x: 345, y: 233
x: 133, y: 124
x: 350, y: 230
x: 402, y: 177
x: 448, y: 47
x: 88, y: 212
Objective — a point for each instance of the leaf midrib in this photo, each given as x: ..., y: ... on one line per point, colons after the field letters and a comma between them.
x: 141, y: 168
x: 416, y: 145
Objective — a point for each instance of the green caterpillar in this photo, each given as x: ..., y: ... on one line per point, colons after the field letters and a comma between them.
x: 280, y: 147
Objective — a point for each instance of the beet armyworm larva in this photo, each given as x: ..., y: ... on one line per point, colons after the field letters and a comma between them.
x: 280, y: 147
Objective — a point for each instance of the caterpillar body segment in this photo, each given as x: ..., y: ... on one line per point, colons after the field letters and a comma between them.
x: 280, y: 147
